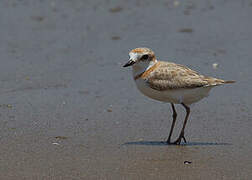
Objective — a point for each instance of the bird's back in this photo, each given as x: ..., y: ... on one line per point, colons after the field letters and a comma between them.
x: 170, y: 82
x: 168, y: 75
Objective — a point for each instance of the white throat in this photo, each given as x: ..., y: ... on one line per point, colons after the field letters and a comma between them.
x: 141, y: 67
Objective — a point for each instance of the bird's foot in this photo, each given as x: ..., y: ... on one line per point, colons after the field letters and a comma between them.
x: 169, y: 141
x: 178, y: 141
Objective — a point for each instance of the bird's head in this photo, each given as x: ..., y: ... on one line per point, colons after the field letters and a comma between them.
x: 141, y: 57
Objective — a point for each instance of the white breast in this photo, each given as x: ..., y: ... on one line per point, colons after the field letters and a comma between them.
x: 177, y: 96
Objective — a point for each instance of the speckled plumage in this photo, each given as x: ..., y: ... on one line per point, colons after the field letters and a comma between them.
x: 167, y: 76
x: 169, y: 82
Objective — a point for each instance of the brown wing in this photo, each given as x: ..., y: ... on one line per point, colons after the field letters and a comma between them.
x: 175, y: 76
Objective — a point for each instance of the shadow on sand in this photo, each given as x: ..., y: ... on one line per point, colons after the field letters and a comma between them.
x: 163, y: 143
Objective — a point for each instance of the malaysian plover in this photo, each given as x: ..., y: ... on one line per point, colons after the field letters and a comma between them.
x: 169, y: 82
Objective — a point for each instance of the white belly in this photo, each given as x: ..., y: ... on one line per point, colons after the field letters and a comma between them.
x: 177, y: 96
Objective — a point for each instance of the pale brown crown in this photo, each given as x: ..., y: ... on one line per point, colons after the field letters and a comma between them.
x: 144, y: 50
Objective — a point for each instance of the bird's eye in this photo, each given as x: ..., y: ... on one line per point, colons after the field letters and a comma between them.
x: 145, y: 57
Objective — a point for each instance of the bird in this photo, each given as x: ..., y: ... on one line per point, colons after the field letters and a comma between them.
x: 170, y: 82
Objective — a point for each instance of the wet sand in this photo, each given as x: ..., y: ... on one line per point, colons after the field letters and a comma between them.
x: 69, y: 110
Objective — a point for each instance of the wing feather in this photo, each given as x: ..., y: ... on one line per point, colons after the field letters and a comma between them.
x: 169, y: 76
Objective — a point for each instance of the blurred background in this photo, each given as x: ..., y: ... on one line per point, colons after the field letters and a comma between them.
x: 68, y: 109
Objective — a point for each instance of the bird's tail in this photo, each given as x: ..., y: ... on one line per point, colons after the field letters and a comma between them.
x: 229, y: 82
x: 216, y: 82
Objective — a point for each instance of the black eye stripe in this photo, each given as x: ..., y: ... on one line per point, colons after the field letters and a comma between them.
x: 145, y: 57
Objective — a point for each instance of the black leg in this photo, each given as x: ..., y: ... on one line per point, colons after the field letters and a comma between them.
x: 181, y: 136
x: 174, y: 115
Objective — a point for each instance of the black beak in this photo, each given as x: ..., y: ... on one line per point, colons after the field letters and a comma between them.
x: 129, y: 63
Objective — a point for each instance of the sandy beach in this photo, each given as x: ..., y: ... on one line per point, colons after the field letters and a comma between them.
x: 69, y: 110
